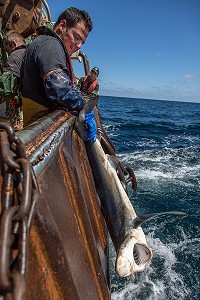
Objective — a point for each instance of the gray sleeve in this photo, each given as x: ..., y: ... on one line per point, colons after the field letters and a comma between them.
x: 50, y: 56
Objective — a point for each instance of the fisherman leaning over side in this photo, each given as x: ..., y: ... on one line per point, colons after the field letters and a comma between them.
x: 14, y: 44
x: 47, y: 74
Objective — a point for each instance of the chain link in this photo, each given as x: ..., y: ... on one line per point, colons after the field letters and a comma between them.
x: 19, y: 195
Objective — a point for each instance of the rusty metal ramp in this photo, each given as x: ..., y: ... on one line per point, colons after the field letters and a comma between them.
x: 67, y: 245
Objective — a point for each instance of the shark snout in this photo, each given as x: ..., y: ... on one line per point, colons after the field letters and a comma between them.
x: 133, y: 256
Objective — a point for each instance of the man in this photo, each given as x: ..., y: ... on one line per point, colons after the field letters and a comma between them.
x: 47, y: 74
x: 89, y: 84
x: 89, y: 87
x: 14, y: 44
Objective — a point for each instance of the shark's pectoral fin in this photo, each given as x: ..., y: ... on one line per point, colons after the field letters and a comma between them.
x: 143, y: 218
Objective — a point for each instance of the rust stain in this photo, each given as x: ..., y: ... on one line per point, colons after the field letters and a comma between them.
x: 52, y: 288
x: 30, y: 148
x: 67, y: 177
x: 8, y: 191
x: 90, y: 187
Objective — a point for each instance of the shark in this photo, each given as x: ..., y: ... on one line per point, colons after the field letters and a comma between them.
x: 133, y: 254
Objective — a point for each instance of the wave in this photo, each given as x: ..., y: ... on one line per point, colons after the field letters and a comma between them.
x: 164, y: 278
x: 182, y: 165
x: 160, y: 140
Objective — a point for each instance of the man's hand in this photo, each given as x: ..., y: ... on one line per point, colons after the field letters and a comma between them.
x: 89, y: 105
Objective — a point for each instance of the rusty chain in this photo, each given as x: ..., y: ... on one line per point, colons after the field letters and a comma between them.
x: 19, y: 194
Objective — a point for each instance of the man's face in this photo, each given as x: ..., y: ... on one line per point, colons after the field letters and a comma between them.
x: 93, y: 76
x: 74, y: 37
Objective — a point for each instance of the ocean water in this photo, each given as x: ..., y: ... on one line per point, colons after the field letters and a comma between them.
x: 160, y: 140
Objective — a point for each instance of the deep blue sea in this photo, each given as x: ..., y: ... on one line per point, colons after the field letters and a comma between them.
x: 160, y: 140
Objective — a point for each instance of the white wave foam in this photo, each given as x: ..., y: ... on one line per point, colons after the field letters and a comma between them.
x: 179, y: 165
x: 160, y: 281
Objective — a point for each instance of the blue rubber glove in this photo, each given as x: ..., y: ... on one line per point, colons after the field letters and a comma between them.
x: 91, y: 127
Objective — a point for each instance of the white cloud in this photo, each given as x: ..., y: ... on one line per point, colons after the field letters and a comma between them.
x: 188, y: 76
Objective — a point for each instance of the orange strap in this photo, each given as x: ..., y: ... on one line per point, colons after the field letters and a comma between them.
x: 91, y: 88
x: 70, y: 69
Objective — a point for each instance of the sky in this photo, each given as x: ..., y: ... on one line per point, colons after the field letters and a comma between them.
x: 144, y: 48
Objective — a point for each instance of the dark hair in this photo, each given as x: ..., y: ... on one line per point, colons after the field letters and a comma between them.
x: 74, y: 15
x: 13, y: 35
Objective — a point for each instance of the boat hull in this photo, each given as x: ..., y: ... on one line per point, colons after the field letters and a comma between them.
x: 68, y: 244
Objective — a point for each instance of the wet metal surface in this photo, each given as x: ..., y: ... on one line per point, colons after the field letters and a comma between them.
x: 68, y: 239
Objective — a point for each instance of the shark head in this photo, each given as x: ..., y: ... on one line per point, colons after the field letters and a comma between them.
x: 134, y: 254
